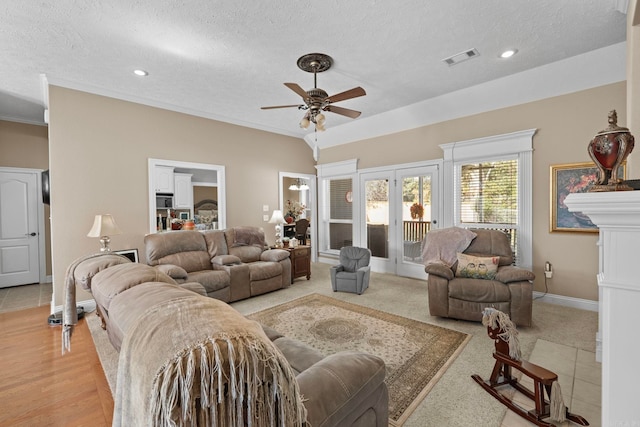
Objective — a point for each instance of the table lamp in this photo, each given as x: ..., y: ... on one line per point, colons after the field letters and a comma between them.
x: 103, y: 227
x: 278, y: 219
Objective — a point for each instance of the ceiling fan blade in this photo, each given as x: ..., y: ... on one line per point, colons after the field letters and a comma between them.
x: 343, y: 111
x: 297, y: 89
x: 348, y: 94
x: 279, y: 106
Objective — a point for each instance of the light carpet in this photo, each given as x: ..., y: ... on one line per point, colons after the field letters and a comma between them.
x: 456, y: 400
x: 416, y: 354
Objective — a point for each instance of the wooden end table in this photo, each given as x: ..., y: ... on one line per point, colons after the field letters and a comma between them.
x: 300, y: 261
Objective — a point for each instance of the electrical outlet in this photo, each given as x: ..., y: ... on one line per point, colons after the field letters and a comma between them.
x: 265, y: 208
x: 548, y: 270
x: 265, y: 218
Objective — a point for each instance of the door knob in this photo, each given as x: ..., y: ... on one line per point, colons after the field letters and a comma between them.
x: 31, y: 234
x: 434, y: 221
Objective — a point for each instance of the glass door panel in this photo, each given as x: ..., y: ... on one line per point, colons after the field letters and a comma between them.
x: 377, y: 233
x: 418, y: 214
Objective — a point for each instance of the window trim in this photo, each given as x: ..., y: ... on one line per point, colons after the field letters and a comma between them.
x: 498, y: 147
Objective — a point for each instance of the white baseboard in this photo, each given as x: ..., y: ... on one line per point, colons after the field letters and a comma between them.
x: 583, y: 304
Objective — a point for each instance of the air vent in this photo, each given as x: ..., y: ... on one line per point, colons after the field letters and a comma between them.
x: 462, y: 56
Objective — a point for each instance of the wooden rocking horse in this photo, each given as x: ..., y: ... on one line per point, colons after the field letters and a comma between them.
x: 507, y: 354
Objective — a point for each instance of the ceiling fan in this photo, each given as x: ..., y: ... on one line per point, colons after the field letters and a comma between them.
x: 317, y: 100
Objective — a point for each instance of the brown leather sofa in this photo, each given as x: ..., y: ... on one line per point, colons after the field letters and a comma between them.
x: 343, y: 389
x: 511, y: 291
x: 230, y: 264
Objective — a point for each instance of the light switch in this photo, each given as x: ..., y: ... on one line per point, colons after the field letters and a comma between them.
x: 265, y: 208
x: 265, y: 218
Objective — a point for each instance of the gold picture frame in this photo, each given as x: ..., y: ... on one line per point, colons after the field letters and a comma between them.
x: 572, y: 178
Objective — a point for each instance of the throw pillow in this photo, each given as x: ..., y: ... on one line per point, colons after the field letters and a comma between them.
x: 476, y: 267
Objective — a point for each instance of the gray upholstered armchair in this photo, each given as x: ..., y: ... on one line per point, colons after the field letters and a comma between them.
x: 352, y: 274
x: 463, y: 293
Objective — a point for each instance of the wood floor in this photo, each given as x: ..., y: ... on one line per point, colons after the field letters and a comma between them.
x: 39, y: 386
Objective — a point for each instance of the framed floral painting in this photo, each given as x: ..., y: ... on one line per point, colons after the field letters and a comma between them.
x: 573, y: 178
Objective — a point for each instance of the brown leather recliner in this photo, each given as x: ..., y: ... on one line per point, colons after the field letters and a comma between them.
x: 511, y: 291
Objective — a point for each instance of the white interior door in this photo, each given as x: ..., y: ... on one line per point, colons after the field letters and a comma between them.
x: 19, y: 237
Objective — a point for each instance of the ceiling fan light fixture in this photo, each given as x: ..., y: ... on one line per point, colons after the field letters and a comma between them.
x: 320, y: 119
x: 304, y: 123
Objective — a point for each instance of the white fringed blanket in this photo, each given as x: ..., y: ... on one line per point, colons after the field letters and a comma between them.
x: 197, y: 361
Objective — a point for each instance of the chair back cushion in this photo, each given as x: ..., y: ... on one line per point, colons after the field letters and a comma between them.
x: 491, y: 243
x: 352, y: 258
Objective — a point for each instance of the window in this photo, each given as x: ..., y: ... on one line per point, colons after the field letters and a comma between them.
x: 490, y: 180
x: 488, y: 196
x: 336, y: 201
x: 340, y: 219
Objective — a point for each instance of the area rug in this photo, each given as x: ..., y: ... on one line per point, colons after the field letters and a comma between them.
x: 416, y: 354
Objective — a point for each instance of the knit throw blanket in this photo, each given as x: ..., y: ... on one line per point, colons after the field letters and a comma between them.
x: 196, y: 361
x: 80, y: 272
x: 442, y: 246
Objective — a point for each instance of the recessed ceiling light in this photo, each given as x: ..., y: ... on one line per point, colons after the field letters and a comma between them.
x: 508, y: 53
x: 140, y: 73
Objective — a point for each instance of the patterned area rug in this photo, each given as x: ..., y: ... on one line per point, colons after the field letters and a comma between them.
x: 416, y: 353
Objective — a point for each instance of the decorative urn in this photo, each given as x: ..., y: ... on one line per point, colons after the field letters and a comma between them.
x: 608, y: 150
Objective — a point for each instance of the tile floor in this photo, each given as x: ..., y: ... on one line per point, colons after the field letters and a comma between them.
x: 579, y: 378
x: 577, y: 370
x: 27, y: 296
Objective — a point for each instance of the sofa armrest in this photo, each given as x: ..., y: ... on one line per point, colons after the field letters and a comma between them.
x: 225, y: 260
x: 509, y: 274
x: 337, y: 384
x: 439, y: 269
x: 274, y: 255
x: 174, y: 271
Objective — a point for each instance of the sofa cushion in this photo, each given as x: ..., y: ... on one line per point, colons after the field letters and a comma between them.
x: 477, y: 267
x: 212, y: 280
x: 246, y: 253
x: 478, y: 290
x: 127, y: 306
x: 216, y: 242
x: 264, y: 270
x: 187, y: 249
x: 114, y: 280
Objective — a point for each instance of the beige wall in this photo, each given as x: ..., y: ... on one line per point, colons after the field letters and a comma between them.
x: 98, y: 155
x: 565, y: 126
x: 27, y: 146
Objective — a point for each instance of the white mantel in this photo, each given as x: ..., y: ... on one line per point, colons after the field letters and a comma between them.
x: 617, y: 215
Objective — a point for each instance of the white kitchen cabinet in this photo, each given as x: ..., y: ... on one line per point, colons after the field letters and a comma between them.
x: 163, y: 179
x: 183, y: 194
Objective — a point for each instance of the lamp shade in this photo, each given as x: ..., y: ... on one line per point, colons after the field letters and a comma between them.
x: 277, y: 217
x: 104, y: 225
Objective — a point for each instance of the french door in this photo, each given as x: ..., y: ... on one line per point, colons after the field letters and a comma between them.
x: 417, y: 213
x: 398, y: 208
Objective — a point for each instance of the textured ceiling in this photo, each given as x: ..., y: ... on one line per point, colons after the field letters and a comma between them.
x: 224, y: 60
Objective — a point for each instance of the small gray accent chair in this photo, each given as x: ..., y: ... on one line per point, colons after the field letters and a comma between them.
x: 352, y: 274
x: 511, y: 291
